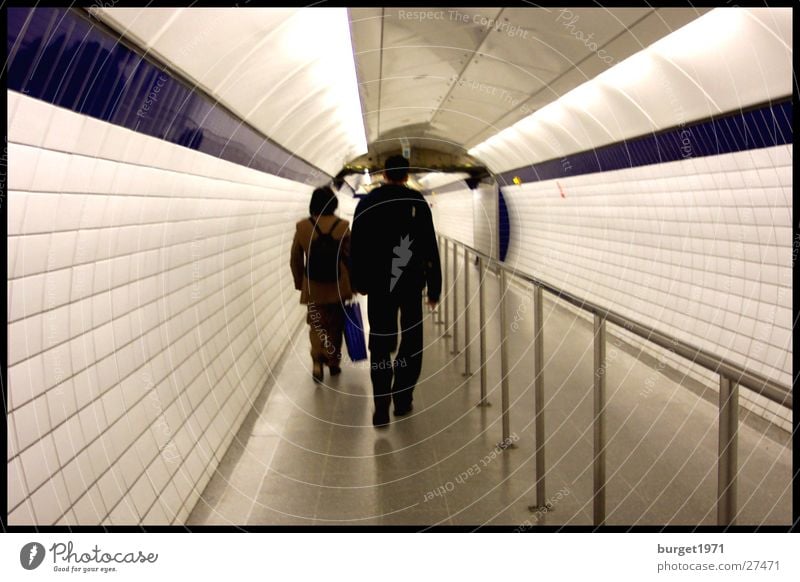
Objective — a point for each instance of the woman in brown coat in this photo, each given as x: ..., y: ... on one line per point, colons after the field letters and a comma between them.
x: 317, y: 283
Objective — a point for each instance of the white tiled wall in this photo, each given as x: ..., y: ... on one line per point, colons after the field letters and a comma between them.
x: 453, y: 214
x: 469, y: 216
x: 148, y: 297
x: 485, y: 220
x: 699, y: 248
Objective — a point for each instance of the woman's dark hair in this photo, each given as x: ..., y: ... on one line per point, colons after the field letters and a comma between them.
x: 323, y: 201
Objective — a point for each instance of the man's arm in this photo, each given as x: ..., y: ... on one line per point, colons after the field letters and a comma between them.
x: 344, y: 248
x: 345, y: 254
x: 433, y: 267
x: 359, y: 239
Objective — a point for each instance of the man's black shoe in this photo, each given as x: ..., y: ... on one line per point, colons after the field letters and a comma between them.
x: 402, y: 411
x: 380, y: 419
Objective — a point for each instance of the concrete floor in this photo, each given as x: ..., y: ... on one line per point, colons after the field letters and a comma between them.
x: 308, y: 455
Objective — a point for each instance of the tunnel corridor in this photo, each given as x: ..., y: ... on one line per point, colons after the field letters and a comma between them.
x: 309, y: 455
x: 629, y: 171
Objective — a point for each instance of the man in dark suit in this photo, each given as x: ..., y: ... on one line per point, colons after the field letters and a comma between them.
x: 394, y: 256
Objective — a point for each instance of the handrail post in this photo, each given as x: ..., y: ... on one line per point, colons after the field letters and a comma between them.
x: 538, y: 400
x: 482, y: 323
x: 454, y: 350
x: 598, y: 423
x: 446, y: 289
x: 438, y: 313
x: 506, y: 442
x: 728, y: 454
x: 467, y: 340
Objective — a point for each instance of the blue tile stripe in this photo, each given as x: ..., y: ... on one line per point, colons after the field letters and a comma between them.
x: 504, y: 225
x: 64, y: 57
x: 763, y: 126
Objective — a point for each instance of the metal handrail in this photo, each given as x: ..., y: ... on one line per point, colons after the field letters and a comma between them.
x: 731, y: 376
x: 756, y: 382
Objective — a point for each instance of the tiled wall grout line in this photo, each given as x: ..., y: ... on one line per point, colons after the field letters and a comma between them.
x: 162, y: 323
x: 229, y: 240
x: 140, y: 305
x: 196, y: 445
x: 166, y: 407
x: 135, y: 225
x: 593, y: 245
x: 134, y: 372
x: 165, y: 169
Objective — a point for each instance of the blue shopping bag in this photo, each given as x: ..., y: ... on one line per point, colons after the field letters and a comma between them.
x: 354, y: 332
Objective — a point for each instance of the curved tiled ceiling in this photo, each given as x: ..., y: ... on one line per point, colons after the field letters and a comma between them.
x: 449, y: 78
x: 288, y: 72
x: 705, y: 69
x: 445, y: 81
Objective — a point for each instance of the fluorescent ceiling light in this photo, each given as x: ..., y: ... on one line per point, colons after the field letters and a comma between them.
x: 322, y: 36
x: 630, y: 71
x: 710, y: 32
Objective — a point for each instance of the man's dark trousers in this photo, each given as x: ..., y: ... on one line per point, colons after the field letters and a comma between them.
x: 395, y: 380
